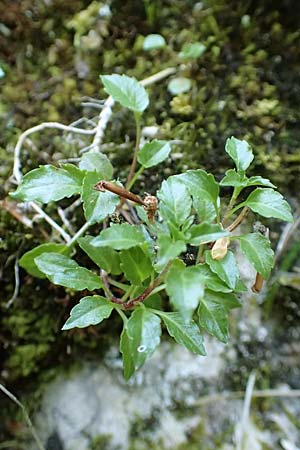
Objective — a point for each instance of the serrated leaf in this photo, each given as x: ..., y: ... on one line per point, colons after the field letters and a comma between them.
x: 213, y: 317
x: 106, y: 258
x: 120, y: 237
x: 205, y: 232
x: 97, y: 162
x: 268, y: 203
x: 226, y: 268
x: 184, y: 333
x: 175, y: 201
x: 153, y: 153
x: 240, y: 152
x: 204, y: 190
x: 143, y: 330
x: 136, y: 265
x: 27, y: 261
x: 179, y: 85
x: 153, y: 42
x: 66, y: 272
x: 257, y: 249
x: 47, y: 183
x: 168, y: 249
x: 127, y: 91
x: 185, y: 287
x: 90, y: 311
x: 74, y: 172
x: 97, y: 205
x: 192, y: 50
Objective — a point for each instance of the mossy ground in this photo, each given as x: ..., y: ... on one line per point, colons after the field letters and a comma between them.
x: 52, y: 54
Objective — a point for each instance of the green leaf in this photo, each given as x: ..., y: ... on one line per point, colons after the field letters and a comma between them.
x: 97, y: 162
x: 175, y: 201
x: 106, y: 258
x: 185, y: 333
x: 268, y: 203
x: 205, y: 192
x: 125, y: 349
x: 136, y: 265
x: 179, y: 85
x: 64, y: 271
x: 259, y: 181
x: 120, y: 237
x: 27, y: 261
x: 213, y: 317
x: 192, y: 51
x: 205, y: 232
x: 153, y: 42
x: 153, y: 153
x: 168, y: 249
x: 127, y: 91
x: 97, y: 205
x: 240, y: 152
x: 233, y: 178
x: 212, y: 281
x: 226, y: 268
x: 74, y: 172
x: 89, y: 311
x: 47, y: 183
x: 143, y: 330
x: 257, y: 249
x: 185, y: 287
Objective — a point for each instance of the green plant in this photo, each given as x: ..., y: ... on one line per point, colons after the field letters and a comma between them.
x: 143, y: 261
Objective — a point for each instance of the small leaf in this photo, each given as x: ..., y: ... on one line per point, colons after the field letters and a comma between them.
x: 125, y: 349
x: 192, y: 51
x: 259, y: 181
x: 205, y: 232
x: 74, y: 172
x: 153, y: 42
x: 213, y: 317
x: 268, y: 203
x: 185, y: 333
x: 89, y: 311
x: 127, y: 91
x: 136, y: 265
x: 106, y: 258
x: 185, y: 287
x: 205, y: 192
x: 212, y: 281
x: 153, y: 153
x: 97, y: 162
x: 175, y: 201
x: 97, y: 205
x: 233, y: 178
x: 179, y: 85
x: 168, y: 249
x: 27, y: 261
x: 226, y: 268
x: 257, y: 249
x: 240, y: 152
x: 143, y: 330
x: 64, y: 271
x: 120, y: 237
x: 47, y: 183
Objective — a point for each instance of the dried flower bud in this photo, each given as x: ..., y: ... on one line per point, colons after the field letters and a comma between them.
x: 220, y: 248
x: 150, y: 206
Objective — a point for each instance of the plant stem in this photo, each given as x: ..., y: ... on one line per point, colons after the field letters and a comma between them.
x: 239, y: 219
x: 120, y: 312
x: 79, y: 233
x: 135, y: 177
x: 229, y: 210
x: 199, y: 254
x: 136, y: 148
x: 26, y: 416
